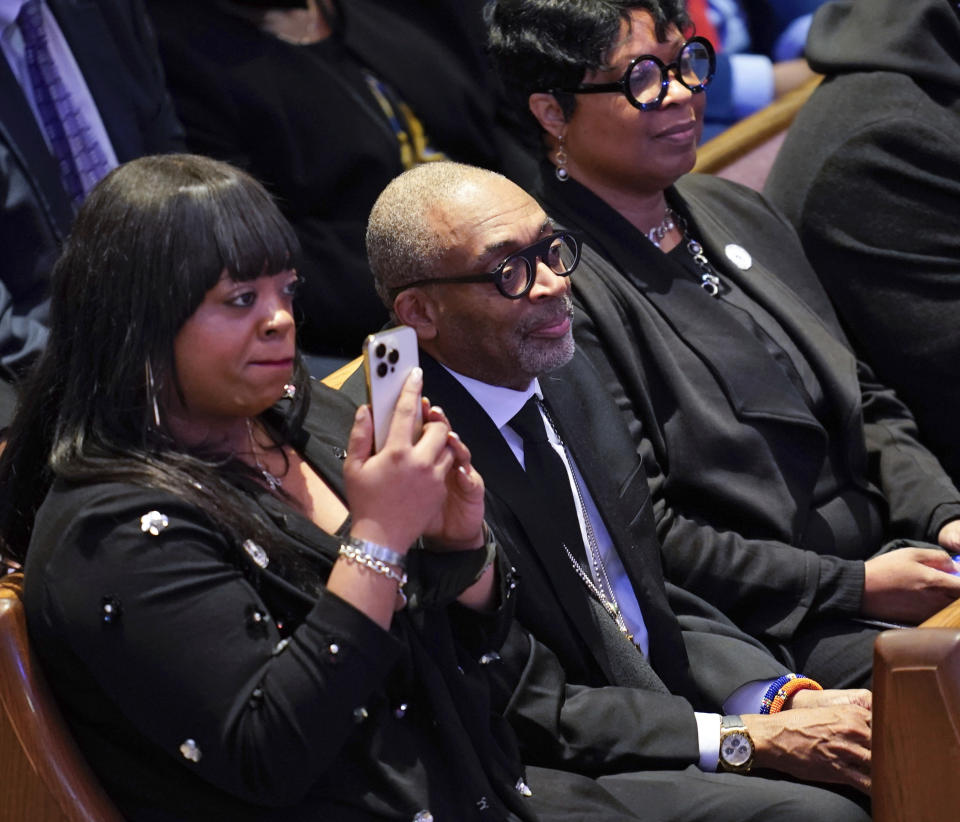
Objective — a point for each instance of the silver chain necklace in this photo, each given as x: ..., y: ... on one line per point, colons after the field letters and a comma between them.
x: 607, y: 598
x: 709, y: 281
x: 271, y: 479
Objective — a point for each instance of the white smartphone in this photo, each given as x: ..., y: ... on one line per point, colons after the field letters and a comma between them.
x: 388, y: 358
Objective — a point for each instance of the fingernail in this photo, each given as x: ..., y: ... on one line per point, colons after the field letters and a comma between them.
x: 438, y: 409
x: 361, y: 413
x: 453, y: 435
x: 463, y: 470
x: 417, y: 375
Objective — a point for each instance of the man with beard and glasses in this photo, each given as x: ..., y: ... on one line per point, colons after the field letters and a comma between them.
x: 474, y: 265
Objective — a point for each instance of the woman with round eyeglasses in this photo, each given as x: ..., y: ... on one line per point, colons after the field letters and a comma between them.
x: 781, y: 472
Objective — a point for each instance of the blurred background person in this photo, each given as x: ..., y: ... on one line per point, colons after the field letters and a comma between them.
x: 870, y: 176
x: 326, y: 102
x: 81, y: 89
x: 759, y: 55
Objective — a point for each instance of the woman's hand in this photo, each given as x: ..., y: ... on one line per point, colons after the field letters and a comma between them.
x: 395, y: 495
x: 459, y: 525
x: 909, y: 584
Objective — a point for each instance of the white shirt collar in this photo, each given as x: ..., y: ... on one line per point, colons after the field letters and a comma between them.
x: 501, y: 404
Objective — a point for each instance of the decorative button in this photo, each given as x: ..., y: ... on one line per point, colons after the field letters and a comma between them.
x: 280, y: 646
x: 739, y: 256
x: 257, y: 621
x: 423, y: 816
x: 490, y: 656
x: 256, y: 553
x: 401, y: 710
x: 110, y: 609
x: 256, y: 698
x: 190, y: 750
x: 340, y: 453
x: 523, y: 788
x: 360, y: 714
x: 333, y: 649
x: 153, y: 522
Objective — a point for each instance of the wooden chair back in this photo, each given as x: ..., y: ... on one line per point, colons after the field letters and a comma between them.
x: 43, y: 775
x: 745, y: 152
x: 916, y: 721
x: 336, y: 379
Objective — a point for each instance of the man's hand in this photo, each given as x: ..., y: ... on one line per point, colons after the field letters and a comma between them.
x: 808, y: 698
x: 830, y: 743
x: 909, y: 584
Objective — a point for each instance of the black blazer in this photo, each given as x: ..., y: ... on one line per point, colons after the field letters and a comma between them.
x: 733, y: 464
x: 114, y: 47
x: 701, y: 658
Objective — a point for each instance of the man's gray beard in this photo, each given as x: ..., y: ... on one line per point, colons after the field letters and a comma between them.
x: 543, y: 356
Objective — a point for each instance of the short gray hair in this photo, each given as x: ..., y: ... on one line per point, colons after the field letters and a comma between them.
x: 404, y: 242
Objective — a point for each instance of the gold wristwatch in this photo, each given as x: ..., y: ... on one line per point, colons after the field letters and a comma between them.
x: 736, y: 746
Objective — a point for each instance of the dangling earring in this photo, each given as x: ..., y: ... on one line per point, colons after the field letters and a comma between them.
x: 289, y: 391
x: 152, y: 392
x: 561, y: 160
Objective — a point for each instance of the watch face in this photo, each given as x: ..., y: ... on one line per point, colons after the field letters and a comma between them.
x: 736, y: 749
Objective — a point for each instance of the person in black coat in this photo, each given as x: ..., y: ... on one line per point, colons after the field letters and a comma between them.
x: 869, y: 175
x: 116, y: 56
x: 779, y: 466
x: 326, y: 102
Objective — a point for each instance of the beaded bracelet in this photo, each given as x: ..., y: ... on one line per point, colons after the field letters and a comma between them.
x: 782, y: 689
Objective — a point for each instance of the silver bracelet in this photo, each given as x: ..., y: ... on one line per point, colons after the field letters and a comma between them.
x: 359, y: 555
x: 381, y: 552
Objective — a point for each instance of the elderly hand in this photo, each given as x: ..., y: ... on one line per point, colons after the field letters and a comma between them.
x: 830, y: 743
x: 808, y: 698
x: 396, y: 494
x: 909, y: 584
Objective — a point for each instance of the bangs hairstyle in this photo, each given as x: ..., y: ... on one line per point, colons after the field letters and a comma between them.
x: 537, y: 45
x: 154, y: 236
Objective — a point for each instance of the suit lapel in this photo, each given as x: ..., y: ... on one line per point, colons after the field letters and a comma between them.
x: 19, y: 129
x: 82, y: 24
x: 832, y: 361
x: 507, y: 483
x: 604, y: 452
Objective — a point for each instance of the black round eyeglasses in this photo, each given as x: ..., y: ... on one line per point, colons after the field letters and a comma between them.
x: 515, y: 276
x: 647, y: 78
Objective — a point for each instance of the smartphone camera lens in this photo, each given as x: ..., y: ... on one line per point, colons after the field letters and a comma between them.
x: 380, y: 350
x: 381, y: 369
x: 393, y: 356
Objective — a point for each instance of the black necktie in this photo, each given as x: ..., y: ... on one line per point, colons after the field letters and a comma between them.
x: 548, y: 478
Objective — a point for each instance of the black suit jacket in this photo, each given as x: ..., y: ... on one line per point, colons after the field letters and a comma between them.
x: 115, y: 50
x: 701, y: 656
x: 733, y: 464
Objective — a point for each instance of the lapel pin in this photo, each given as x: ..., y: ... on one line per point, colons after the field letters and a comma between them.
x: 739, y: 256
